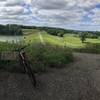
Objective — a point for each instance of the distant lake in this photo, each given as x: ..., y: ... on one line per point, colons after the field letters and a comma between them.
x: 10, y: 38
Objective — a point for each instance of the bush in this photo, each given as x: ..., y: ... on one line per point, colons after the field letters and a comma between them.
x: 92, y: 36
x: 41, y: 58
x: 44, y: 56
x: 90, y: 48
x: 93, y: 48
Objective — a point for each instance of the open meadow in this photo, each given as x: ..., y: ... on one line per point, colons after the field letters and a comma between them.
x: 69, y: 40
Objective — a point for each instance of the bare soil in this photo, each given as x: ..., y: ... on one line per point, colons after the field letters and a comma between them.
x: 79, y: 80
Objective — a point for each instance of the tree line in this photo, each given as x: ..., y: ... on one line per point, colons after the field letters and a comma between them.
x: 60, y: 32
x: 13, y: 29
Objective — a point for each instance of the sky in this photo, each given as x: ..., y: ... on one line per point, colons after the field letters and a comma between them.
x: 68, y: 14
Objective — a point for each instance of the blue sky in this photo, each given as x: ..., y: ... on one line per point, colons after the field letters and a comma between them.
x: 69, y: 14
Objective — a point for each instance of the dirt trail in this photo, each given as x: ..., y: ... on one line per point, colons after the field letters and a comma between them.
x: 41, y: 38
x: 80, y: 80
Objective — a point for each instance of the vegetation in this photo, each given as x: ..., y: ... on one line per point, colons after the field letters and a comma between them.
x: 40, y: 56
x: 12, y: 29
x: 44, y: 56
x: 49, y: 30
x: 68, y: 40
x: 56, y: 52
x: 85, y: 35
x: 92, y: 36
x: 89, y: 48
x: 82, y: 37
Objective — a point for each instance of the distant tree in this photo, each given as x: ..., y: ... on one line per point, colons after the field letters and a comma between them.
x: 61, y: 33
x: 92, y: 35
x: 82, y: 37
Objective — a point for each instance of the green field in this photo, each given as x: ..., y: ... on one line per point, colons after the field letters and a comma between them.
x: 57, y: 52
x: 68, y: 40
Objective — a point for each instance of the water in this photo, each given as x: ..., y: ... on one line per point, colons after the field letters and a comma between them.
x: 10, y: 38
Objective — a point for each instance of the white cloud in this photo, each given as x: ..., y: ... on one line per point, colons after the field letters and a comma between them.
x: 13, y: 11
x: 13, y: 2
x: 95, y: 17
x: 49, y: 12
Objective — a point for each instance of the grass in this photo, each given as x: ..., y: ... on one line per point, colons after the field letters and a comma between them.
x: 89, y: 48
x: 4, y: 46
x: 45, y: 56
x: 68, y: 40
x: 40, y: 56
x: 55, y: 53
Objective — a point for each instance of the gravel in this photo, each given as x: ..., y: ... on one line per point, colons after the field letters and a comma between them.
x: 79, y: 80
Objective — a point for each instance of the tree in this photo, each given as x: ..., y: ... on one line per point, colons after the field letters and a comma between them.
x: 82, y: 37
x: 61, y: 33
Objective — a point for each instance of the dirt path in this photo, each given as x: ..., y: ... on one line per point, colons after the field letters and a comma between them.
x: 41, y: 38
x: 80, y: 80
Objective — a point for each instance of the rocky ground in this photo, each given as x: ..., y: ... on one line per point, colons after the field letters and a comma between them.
x: 79, y: 80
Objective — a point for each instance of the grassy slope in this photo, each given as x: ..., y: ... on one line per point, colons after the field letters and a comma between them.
x: 68, y: 40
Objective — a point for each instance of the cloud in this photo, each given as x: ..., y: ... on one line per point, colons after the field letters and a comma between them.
x: 12, y: 11
x: 51, y: 4
x: 58, y: 13
x: 13, y: 2
x: 66, y: 12
x: 96, y: 16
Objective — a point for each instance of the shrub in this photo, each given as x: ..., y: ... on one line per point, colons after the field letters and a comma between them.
x: 90, y: 48
x: 93, y: 36
x: 41, y: 58
x: 93, y: 48
x: 44, y: 56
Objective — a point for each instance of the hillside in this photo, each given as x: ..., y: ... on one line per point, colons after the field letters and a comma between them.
x: 70, y: 40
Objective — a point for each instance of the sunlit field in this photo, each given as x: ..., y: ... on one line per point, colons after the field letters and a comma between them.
x: 68, y: 40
